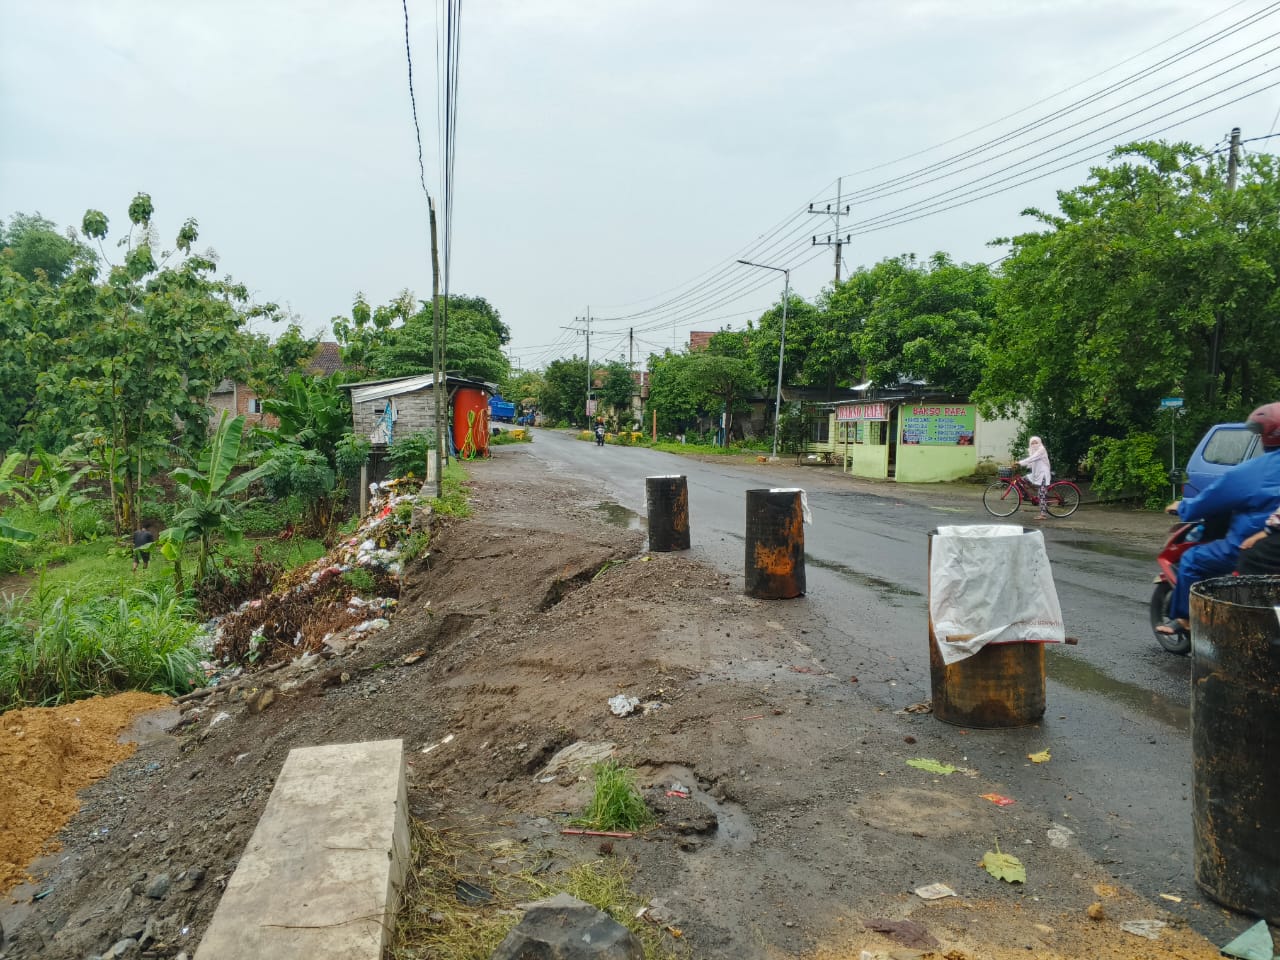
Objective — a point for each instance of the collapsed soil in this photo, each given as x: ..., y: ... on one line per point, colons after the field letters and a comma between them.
x: 804, y: 821
x: 47, y: 756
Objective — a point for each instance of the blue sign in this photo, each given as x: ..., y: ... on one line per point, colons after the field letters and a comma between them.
x: 1171, y: 402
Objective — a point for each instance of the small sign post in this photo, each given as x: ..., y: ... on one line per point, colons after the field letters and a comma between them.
x: 1174, y: 406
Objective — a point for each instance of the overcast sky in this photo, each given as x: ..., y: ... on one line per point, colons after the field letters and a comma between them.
x: 615, y: 154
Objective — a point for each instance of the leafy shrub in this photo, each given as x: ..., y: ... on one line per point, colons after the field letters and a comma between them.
x: 361, y: 581
x: 1129, y: 468
x: 350, y: 454
x: 408, y: 455
x: 60, y: 647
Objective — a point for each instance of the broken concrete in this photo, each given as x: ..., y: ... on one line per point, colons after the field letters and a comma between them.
x: 565, y: 928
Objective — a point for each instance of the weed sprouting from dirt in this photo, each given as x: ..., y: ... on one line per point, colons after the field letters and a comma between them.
x: 436, y: 921
x: 615, y: 803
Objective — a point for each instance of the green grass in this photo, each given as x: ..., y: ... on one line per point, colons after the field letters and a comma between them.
x: 433, y: 922
x: 615, y: 802
x: 454, y: 501
x: 63, y: 643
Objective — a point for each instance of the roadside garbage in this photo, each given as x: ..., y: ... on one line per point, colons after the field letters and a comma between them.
x: 931, y: 766
x: 1003, y: 866
x: 439, y: 743
x: 934, y: 891
x: 1170, y: 897
x: 623, y: 705
x: 468, y: 892
x: 576, y: 758
x: 1041, y: 757
x: 678, y: 789
x: 998, y: 800
x: 1060, y: 836
x: 1144, y: 928
x: 1254, y: 944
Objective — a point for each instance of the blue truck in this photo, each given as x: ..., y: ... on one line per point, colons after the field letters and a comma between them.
x: 503, y: 411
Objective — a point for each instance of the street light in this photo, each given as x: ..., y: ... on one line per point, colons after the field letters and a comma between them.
x: 782, y: 344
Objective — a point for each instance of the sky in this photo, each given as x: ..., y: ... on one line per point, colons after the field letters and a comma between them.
x: 613, y: 158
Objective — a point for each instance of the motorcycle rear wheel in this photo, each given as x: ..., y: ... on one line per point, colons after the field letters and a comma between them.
x: 1180, y: 642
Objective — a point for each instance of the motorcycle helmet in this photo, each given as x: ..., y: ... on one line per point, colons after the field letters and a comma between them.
x: 1265, y: 421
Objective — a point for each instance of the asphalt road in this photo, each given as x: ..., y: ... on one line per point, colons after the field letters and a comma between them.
x: 1118, y: 707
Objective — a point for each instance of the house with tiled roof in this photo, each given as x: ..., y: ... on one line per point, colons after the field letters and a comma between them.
x: 240, y: 399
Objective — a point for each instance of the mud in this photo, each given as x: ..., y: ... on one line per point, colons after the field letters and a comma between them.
x: 802, y: 822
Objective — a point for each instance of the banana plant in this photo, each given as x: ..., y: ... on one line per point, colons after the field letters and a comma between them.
x: 14, y: 487
x: 56, y: 478
x: 209, y: 490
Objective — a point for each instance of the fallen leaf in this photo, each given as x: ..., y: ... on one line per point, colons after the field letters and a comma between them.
x: 932, y: 766
x: 909, y: 933
x: 1004, y: 866
x: 998, y: 800
x: 1041, y: 757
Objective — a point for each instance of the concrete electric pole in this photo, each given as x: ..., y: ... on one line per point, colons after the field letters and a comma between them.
x: 834, y: 240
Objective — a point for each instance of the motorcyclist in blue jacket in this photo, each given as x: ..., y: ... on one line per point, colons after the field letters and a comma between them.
x: 1248, y: 493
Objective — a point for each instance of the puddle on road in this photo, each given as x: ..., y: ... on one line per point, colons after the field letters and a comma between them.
x: 733, y: 826
x: 1110, y: 549
x: 618, y: 515
x: 1080, y: 675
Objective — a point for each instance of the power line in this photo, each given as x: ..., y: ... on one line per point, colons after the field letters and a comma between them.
x: 413, y: 103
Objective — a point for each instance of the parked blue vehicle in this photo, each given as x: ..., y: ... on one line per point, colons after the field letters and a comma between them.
x: 1220, y: 449
x: 501, y: 410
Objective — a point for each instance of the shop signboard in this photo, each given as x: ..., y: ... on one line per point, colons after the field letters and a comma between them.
x: 938, y: 424
x: 846, y: 412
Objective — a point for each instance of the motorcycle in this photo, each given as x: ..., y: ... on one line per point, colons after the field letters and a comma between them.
x: 1182, y: 537
x: 599, y: 436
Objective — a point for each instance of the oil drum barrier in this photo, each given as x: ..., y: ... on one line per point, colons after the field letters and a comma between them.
x: 1235, y: 742
x: 775, y: 544
x: 667, y: 499
x: 1002, y: 685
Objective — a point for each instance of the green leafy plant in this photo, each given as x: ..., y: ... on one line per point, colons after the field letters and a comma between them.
x: 361, y: 581
x: 208, y: 489
x: 63, y: 645
x: 1130, y: 468
x: 1004, y: 866
x: 408, y: 455
x: 55, y: 479
x: 615, y: 802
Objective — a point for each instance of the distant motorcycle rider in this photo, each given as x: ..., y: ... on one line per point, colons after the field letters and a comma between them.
x: 599, y: 434
x: 1247, y: 493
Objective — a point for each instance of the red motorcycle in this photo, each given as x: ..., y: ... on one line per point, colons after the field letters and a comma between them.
x: 1182, y: 537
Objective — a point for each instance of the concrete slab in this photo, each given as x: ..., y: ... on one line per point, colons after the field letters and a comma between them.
x: 322, y: 874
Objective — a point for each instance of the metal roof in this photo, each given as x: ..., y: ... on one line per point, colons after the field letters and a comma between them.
x: 392, y: 388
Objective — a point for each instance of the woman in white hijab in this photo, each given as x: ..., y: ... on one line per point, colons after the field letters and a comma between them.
x: 1038, y: 471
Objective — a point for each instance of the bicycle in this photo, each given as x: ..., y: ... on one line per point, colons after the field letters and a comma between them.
x: 1008, y: 492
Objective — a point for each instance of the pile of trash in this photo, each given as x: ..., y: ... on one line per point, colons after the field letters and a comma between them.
x: 334, y: 602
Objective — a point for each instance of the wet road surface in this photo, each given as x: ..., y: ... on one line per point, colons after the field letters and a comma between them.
x: 1118, y: 706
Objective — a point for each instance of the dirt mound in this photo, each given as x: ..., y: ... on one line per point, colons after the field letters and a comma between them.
x: 47, y: 756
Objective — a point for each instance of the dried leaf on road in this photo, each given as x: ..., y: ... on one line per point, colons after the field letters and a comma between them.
x: 1041, y: 757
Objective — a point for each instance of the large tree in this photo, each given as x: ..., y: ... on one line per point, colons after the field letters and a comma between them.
x: 33, y: 248
x: 1153, y: 279
x: 127, y: 361
x: 396, y: 340
x: 564, y: 391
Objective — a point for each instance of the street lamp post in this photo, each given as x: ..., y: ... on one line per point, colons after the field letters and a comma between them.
x: 782, y: 344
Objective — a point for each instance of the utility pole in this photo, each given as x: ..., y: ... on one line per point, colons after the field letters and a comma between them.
x: 1233, y: 168
x: 838, y: 242
x: 585, y: 330
x: 1233, y: 159
x: 439, y: 388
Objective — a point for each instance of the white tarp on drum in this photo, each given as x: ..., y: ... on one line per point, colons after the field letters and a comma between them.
x: 991, y: 583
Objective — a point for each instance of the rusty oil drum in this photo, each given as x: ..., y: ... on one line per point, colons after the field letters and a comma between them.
x: 775, y: 544
x: 1235, y: 742
x: 667, y: 499
x: 1002, y: 685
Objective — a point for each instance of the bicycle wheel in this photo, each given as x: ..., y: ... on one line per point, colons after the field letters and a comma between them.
x: 1002, y: 498
x: 1062, y: 498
